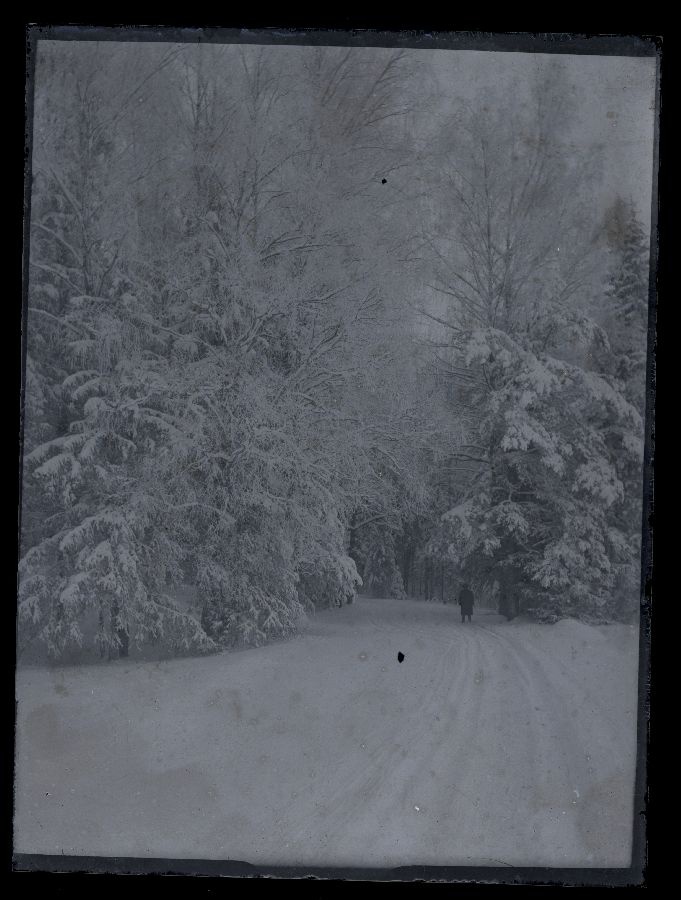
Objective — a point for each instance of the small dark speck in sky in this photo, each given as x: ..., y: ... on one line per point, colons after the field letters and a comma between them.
x: 400, y: 656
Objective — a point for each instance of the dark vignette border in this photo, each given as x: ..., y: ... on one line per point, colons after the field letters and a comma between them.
x: 437, y: 39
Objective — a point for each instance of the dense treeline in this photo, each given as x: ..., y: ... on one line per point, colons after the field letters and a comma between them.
x: 280, y: 350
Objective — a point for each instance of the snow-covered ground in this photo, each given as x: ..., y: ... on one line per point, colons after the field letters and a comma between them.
x: 492, y: 743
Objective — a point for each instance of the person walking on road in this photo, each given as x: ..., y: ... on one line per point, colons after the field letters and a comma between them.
x: 466, y: 602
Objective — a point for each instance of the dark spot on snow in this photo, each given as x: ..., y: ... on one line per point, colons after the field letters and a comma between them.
x: 44, y: 731
x: 400, y: 656
x: 236, y: 703
x: 384, y: 180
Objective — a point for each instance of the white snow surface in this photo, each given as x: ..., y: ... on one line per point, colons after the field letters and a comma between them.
x: 491, y: 744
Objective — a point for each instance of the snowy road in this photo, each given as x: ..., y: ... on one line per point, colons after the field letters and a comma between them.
x: 492, y: 743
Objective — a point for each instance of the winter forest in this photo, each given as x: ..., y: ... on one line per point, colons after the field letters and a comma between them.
x: 293, y: 333
x: 321, y: 343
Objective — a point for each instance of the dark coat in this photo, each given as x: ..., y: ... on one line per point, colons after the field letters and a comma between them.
x: 466, y: 601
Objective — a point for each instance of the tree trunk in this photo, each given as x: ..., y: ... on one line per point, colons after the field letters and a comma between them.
x: 119, y: 632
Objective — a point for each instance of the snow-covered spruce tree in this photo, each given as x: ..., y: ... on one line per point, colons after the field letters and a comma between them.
x: 63, y: 266
x: 95, y: 556
x: 540, y: 517
x: 114, y: 543
x: 544, y: 513
x: 624, y: 314
x: 625, y: 306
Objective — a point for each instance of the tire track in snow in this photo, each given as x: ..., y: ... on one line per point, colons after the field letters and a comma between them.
x: 597, y: 773
x: 351, y: 789
x: 560, y: 761
x: 467, y: 830
x: 402, y: 781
